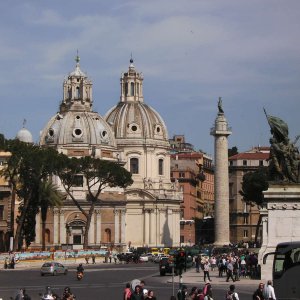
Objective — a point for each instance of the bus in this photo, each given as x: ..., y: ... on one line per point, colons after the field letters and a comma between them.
x: 286, y: 270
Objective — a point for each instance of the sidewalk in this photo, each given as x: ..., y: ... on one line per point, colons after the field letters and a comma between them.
x: 192, y: 277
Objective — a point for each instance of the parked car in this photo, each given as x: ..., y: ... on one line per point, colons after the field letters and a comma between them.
x: 53, y: 268
x: 159, y: 257
x: 144, y: 258
x: 165, y: 267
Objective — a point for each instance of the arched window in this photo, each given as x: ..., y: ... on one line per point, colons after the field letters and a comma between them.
x: 77, y: 92
x: 160, y: 166
x: 132, y: 89
x: 107, y: 235
x: 134, y: 165
x: 126, y: 89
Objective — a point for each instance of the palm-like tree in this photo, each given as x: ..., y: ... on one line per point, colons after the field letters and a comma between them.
x: 49, y: 196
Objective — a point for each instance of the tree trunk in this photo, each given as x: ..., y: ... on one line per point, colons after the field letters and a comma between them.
x: 88, y: 224
x: 43, y: 235
x: 257, y: 228
x: 20, y: 225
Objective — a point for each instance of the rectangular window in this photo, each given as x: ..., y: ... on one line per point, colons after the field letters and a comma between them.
x: 76, y: 239
x: 78, y: 181
x: 1, y: 212
x: 182, y: 239
x: 131, y: 89
x: 181, y: 174
x: 160, y: 166
x: 246, y: 219
x: 261, y: 163
x: 134, y: 165
x: 245, y: 234
x: 244, y: 163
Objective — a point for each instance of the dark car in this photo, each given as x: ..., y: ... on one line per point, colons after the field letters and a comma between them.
x: 166, y: 267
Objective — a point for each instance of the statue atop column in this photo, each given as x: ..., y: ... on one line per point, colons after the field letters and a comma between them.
x: 220, y: 106
x: 284, y: 154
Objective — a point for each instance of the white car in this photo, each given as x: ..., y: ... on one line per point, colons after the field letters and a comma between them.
x: 144, y: 258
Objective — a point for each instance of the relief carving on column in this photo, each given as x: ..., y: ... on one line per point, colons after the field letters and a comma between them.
x: 97, y: 211
x: 56, y: 212
x: 116, y: 212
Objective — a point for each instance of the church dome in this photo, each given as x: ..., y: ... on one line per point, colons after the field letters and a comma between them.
x: 24, y: 135
x: 76, y: 124
x: 131, y: 118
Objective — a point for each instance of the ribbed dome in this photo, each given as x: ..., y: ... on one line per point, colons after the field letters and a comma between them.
x: 77, y: 124
x: 77, y: 128
x: 131, y: 118
x: 136, y: 120
x: 25, y: 136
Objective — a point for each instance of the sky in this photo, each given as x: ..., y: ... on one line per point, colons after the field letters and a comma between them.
x: 191, y: 52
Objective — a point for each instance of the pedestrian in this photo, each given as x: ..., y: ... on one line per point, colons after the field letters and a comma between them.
x: 207, y: 287
x: 206, y: 271
x: 200, y: 294
x: 127, y: 292
x: 208, y: 293
x: 6, y: 263
x: 229, y: 271
x: 197, y: 263
x: 150, y: 296
x: 182, y: 293
x: 258, y: 294
x: 137, y: 294
x: 115, y: 258
x: 213, y: 263
x: 269, y: 292
x: 94, y: 258
x: 231, y: 294
x: 87, y: 259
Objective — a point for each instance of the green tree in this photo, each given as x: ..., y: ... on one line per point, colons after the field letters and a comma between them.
x: 253, y: 185
x: 26, y: 168
x: 98, y: 174
x: 49, y: 196
x: 232, y: 151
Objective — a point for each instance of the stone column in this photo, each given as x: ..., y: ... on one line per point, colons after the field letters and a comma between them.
x: 62, y: 227
x: 98, y: 226
x: 55, y: 226
x: 152, y: 228
x: 92, y: 231
x: 170, y: 223
x: 146, y: 227
x: 221, y: 131
x: 123, y: 214
x: 176, y: 227
x: 117, y: 226
x: 38, y: 228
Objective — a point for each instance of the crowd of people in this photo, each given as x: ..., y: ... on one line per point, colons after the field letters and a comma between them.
x: 233, y: 266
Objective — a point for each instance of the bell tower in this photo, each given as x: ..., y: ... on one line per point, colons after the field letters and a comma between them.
x: 132, y: 85
x: 77, y: 91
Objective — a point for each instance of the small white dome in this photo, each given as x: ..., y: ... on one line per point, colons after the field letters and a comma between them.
x: 25, y: 136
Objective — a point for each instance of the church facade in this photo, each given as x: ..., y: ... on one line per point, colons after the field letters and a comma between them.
x: 147, y: 213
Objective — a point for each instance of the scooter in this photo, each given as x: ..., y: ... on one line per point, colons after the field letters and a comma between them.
x: 79, y: 275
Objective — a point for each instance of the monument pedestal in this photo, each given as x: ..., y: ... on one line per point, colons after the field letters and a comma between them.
x: 280, y: 219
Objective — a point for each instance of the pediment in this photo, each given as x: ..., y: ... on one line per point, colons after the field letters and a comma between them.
x: 139, y: 194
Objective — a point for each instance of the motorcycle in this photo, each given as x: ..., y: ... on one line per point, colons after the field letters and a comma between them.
x: 79, y: 275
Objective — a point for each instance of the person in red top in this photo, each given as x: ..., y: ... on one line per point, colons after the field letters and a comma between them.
x: 127, y: 292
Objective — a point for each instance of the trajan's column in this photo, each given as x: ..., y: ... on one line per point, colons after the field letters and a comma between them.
x: 221, y: 131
